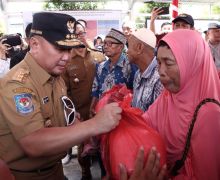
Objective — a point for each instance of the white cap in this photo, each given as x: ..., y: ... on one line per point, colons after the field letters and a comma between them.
x: 146, y: 36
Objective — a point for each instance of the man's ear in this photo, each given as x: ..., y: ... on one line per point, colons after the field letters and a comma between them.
x: 122, y: 46
x: 34, y: 44
x: 140, y: 48
x: 207, y: 33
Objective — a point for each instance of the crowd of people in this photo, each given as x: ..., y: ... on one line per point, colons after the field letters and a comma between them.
x: 50, y: 88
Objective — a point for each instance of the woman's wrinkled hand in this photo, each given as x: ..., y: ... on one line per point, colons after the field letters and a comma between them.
x: 149, y: 171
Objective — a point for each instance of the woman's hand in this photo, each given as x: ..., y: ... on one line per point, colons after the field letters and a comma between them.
x: 150, y: 171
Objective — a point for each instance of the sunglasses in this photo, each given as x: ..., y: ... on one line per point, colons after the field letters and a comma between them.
x: 69, y: 110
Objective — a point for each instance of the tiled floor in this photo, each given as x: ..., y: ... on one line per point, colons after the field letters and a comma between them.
x: 72, y: 170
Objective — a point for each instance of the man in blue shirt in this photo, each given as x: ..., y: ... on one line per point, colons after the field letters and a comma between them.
x: 147, y: 85
x: 115, y: 70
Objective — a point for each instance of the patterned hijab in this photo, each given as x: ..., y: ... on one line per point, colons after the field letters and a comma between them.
x: 171, y: 113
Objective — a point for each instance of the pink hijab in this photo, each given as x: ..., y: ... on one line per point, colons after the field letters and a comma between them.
x: 171, y: 113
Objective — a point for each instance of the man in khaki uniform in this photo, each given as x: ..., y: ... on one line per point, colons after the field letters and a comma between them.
x: 79, y: 76
x: 80, y: 72
x: 33, y: 136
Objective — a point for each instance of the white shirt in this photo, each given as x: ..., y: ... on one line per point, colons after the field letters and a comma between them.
x: 4, y: 67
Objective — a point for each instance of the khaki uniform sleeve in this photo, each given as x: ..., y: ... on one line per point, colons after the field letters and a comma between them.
x: 20, y: 108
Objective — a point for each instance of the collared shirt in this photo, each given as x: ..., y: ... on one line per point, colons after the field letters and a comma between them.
x: 215, y: 49
x: 28, y: 95
x: 79, y: 76
x: 121, y: 73
x: 147, y: 87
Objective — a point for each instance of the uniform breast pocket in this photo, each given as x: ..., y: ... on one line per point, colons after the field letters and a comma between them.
x: 77, y: 73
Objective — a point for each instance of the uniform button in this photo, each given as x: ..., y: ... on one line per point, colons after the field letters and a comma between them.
x: 76, y: 80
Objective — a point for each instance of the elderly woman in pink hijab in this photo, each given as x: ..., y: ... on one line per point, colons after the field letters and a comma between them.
x: 187, y: 113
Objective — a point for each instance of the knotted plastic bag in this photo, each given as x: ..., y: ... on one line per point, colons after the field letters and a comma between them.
x: 121, y: 145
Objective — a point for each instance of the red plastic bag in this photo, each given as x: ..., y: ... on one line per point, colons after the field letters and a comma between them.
x: 121, y: 145
x: 115, y: 94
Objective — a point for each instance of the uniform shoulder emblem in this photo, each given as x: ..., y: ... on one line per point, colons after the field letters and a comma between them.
x: 21, y: 75
x: 23, y: 103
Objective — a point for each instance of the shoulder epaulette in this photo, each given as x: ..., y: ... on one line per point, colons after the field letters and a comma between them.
x: 21, y: 75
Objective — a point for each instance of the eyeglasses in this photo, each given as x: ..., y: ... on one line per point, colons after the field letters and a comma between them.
x: 69, y: 110
x: 109, y: 43
x: 80, y: 34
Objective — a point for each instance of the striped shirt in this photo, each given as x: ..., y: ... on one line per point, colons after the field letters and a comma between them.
x: 147, y: 86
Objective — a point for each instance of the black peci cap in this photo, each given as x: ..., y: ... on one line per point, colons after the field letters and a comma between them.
x: 56, y: 28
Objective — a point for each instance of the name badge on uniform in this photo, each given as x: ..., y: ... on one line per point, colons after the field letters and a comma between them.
x: 45, y: 100
x: 23, y: 103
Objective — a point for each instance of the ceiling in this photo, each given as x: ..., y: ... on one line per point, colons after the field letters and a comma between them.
x: 181, y: 1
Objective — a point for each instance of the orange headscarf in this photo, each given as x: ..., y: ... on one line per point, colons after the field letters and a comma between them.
x: 171, y: 113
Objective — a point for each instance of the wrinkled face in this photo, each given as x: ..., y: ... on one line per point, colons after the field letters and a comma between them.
x: 112, y: 47
x: 48, y: 56
x: 181, y: 25
x: 132, y: 49
x: 214, y: 35
x: 168, y: 69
